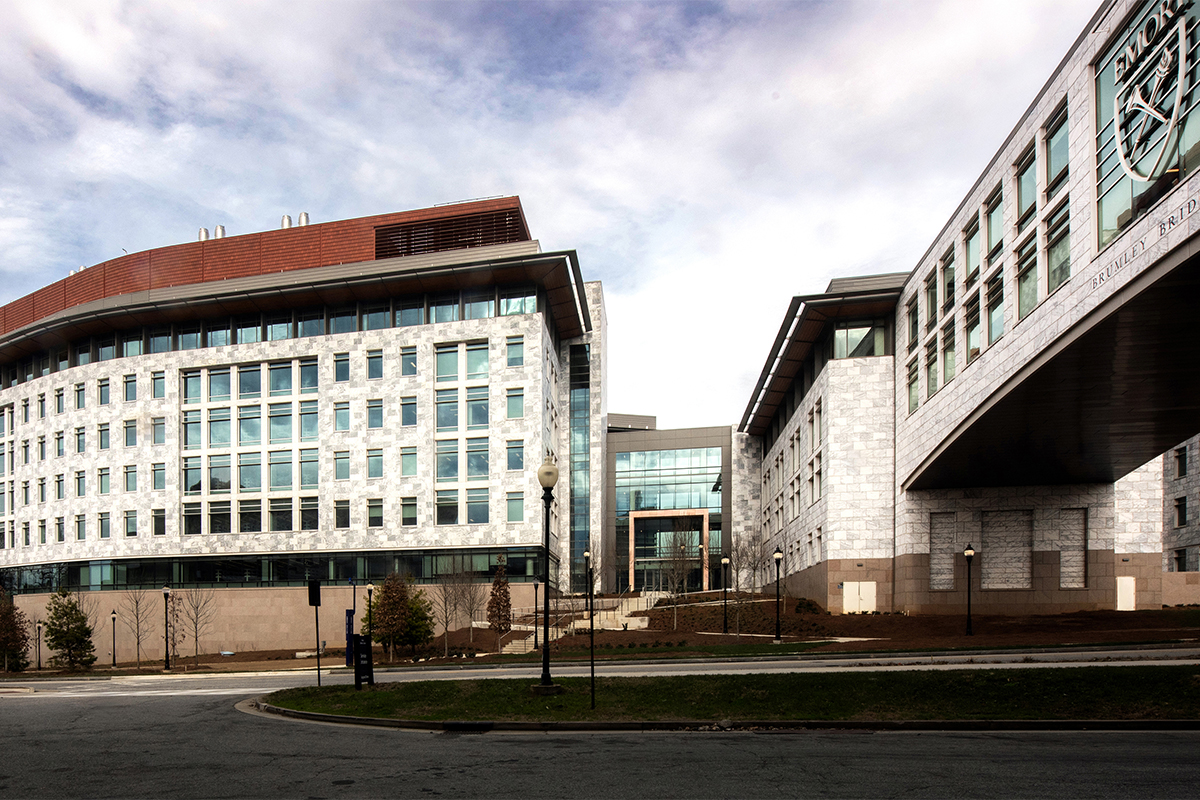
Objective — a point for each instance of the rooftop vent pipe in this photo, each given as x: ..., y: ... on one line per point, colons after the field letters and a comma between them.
x: 203, y: 235
x: 303, y: 218
x: 219, y: 232
x: 286, y: 222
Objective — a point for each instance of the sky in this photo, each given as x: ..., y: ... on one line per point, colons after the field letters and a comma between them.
x: 708, y: 161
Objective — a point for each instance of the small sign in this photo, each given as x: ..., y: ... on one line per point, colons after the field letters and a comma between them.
x: 314, y: 593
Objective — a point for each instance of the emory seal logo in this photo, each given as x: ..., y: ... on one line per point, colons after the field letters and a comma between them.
x: 1150, y: 72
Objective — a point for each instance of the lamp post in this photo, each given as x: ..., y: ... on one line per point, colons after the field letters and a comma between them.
x: 370, y: 591
x: 39, y: 645
x: 591, y: 603
x: 114, y: 627
x: 167, y: 627
x: 970, y: 554
x: 778, y: 554
x: 725, y: 594
x: 547, y: 477
x: 535, y: 614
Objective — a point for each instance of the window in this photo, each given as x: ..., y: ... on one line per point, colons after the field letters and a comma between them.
x: 995, y: 226
x: 60, y: 529
x: 341, y: 416
x: 1027, y: 279
x: 279, y: 328
x: 41, y: 490
x: 814, y: 479
x: 374, y: 413
x: 477, y: 459
x: 913, y: 394
x: 375, y: 463
x: 516, y: 351
x: 220, y: 474
x: 971, y: 325
x: 104, y: 439
x: 479, y: 307
x: 80, y: 397
x: 341, y: 466
x: 102, y: 480
x: 59, y: 449
x: 447, y: 507
x: 249, y: 425
x: 477, y: 506
x: 814, y: 427
x: 309, y: 383
x: 220, y: 517
x: 249, y: 382
x: 25, y: 451
x: 192, y: 520
x: 516, y: 506
x: 410, y: 312
x: 375, y: 512
x: 158, y: 475
x: 191, y: 430
x: 189, y: 338
x: 931, y: 304
x: 249, y: 516
x: 447, y: 410
x: 281, y: 470
x: 160, y: 341
x: 80, y: 483
x: 102, y: 392
x: 1181, y: 462
x: 408, y: 411
x: 249, y: 472
x: 80, y: 440
x: 25, y: 410
x: 80, y: 527
x: 41, y: 448
x: 193, y: 481
x: 518, y: 301
x: 281, y: 423
x: 281, y: 514
x: 191, y: 387
x: 931, y: 368
x: 408, y: 361
x: 59, y: 401
x: 948, y: 353
x: 131, y: 523
x: 341, y: 513
x: 477, y: 408
x: 995, y: 300
x: 309, y: 469
x: 281, y: 379
x: 1181, y: 512
x: 343, y: 320
x: 41, y: 531
x: 516, y: 455
x: 341, y: 367
x: 1056, y: 152
x: 446, y: 360
x: 516, y: 403
x: 1026, y: 190
x: 130, y: 478
x: 130, y: 426
x: 217, y: 333
x: 408, y: 461
x: 972, y: 248
x: 310, y: 513
x: 375, y: 318
x: 914, y: 324
x: 1058, y: 248
x: 447, y: 460
x: 158, y: 384
x: 158, y: 430
x: 131, y: 345
x: 41, y: 401
x: 308, y: 421
x: 218, y: 384
x: 60, y: 487
x: 103, y: 524
x: 408, y: 511
x: 443, y: 309
x: 374, y: 364
x: 477, y: 358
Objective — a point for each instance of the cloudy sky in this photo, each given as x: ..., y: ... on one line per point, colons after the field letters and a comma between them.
x: 707, y: 160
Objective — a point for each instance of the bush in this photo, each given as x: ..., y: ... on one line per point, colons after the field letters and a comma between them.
x: 806, y: 606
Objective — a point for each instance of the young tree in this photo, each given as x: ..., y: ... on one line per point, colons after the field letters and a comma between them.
x: 198, y: 608
x: 68, y: 632
x: 472, y: 599
x: 389, y: 613
x: 14, y: 634
x: 499, y: 606
x: 140, y: 609
x: 419, y: 629
x: 446, y: 602
x: 177, y: 629
x: 676, y: 567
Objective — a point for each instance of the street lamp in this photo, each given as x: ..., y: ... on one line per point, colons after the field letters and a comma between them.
x: 778, y: 558
x: 547, y: 477
x: 39, y: 645
x: 591, y: 603
x: 725, y: 593
x: 535, y: 614
x: 167, y: 627
x: 970, y: 554
x: 114, y: 626
x: 370, y: 591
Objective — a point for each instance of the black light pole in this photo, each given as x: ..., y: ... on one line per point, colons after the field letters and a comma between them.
x: 114, y: 626
x: 39, y: 645
x: 725, y: 594
x: 370, y: 591
x: 591, y: 602
x: 167, y: 627
x: 547, y: 477
x: 778, y: 558
x: 535, y: 614
x: 969, y: 553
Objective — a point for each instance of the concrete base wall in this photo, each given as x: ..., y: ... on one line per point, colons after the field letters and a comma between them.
x: 244, y: 620
x: 823, y: 582
x: 1180, y: 588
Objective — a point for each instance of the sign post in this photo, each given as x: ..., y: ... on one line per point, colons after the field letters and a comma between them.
x: 314, y: 600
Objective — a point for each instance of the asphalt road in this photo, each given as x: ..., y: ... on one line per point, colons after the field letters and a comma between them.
x: 182, y: 737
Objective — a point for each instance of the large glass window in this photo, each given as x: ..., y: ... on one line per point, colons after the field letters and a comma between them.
x: 477, y: 408
x: 191, y: 387
x: 1026, y: 189
x: 1057, y: 152
x: 341, y: 367
x: 103, y: 436
x: 250, y: 472
x: 408, y: 511
x: 518, y: 301
x: 447, y: 507
x: 859, y: 340
x: 477, y: 506
x: 376, y: 317
x: 250, y: 382
x: 193, y: 478
x: 516, y: 455
x: 281, y: 470
x: 219, y: 517
x: 516, y: 506
x: 1058, y: 247
x: 158, y: 430
x: 375, y: 413
x: 931, y: 368
x: 130, y: 387
x: 443, y: 309
x: 281, y: 514
x: 158, y: 476
x: 410, y: 312
x: 446, y: 360
x: 477, y: 459
x: 341, y: 416
x: 219, y: 474
x: 995, y: 300
x: 1027, y: 279
x: 341, y: 513
x: 913, y: 393
x: 375, y: 463
x: 447, y: 410
x: 408, y: 461
x: 131, y: 477
x: 310, y: 513
x: 995, y: 226
x: 341, y: 466
x: 309, y: 469
x: 218, y: 427
x: 158, y: 384
x: 515, y: 349
x: 972, y: 253
x: 249, y: 516
x: 191, y: 431
x: 479, y: 307
x: 308, y: 421
x: 281, y: 379
x: 515, y: 403
x: 447, y: 460
x: 374, y: 364
x: 249, y: 330
x: 308, y: 376
x: 408, y: 361
x: 477, y: 361
x: 249, y: 425
x: 102, y: 389
x: 281, y: 423
x: 948, y: 355
x: 218, y: 384
x: 971, y: 326
x: 408, y: 411
x: 375, y: 512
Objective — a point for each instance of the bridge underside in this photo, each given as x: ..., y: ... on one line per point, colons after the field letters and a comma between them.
x: 1113, y: 393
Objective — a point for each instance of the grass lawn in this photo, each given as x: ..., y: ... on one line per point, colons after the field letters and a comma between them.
x: 1084, y: 693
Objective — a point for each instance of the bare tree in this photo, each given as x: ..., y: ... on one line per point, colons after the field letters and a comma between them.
x: 175, y: 614
x: 447, y: 602
x: 472, y: 599
x: 677, y: 566
x: 139, y: 607
x: 198, y: 608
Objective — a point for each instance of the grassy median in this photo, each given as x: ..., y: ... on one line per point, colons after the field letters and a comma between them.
x: 1084, y: 693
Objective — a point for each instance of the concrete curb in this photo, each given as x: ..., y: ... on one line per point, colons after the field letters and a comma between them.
x: 753, y: 726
